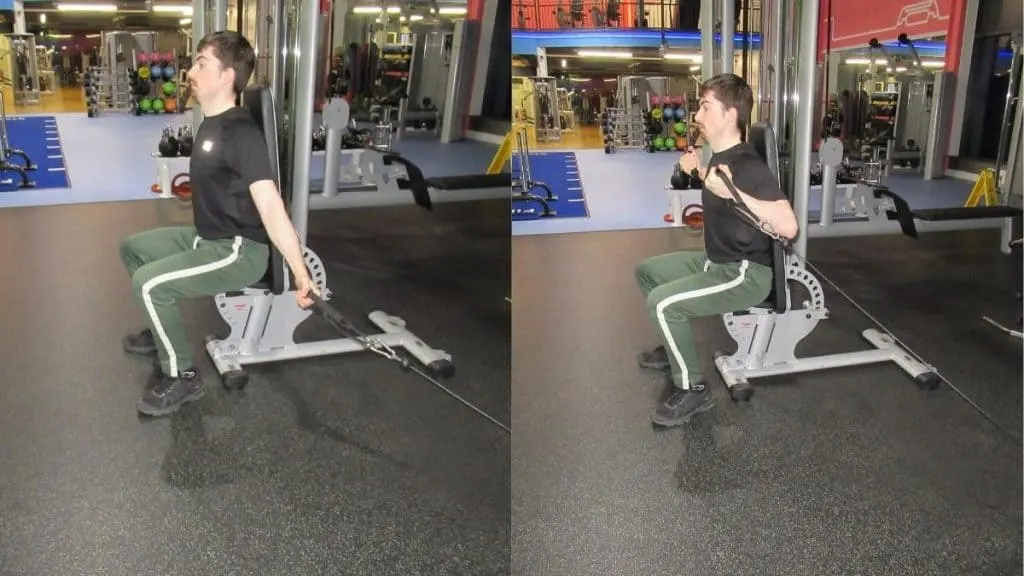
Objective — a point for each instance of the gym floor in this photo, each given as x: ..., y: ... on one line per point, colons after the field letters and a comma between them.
x: 852, y: 471
x: 337, y: 464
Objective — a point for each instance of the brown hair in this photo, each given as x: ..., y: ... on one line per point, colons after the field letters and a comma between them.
x: 733, y: 92
x: 233, y: 51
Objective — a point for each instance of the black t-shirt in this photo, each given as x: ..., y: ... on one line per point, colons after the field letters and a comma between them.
x: 727, y: 237
x: 229, y: 153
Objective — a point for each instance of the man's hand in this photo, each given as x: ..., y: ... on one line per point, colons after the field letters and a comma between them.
x: 303, y: 287
x: 690, y: 161
x: 716, y: 185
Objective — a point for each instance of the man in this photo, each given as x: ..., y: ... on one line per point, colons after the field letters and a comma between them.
x: 733, y: 272
x: 237, y: 210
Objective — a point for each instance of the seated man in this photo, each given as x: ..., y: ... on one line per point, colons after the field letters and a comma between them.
x: 236, y: 210
x: 733, y: 272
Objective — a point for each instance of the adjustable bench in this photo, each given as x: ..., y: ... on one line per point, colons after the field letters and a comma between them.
x: 766, y: 335
x: 263, y: 317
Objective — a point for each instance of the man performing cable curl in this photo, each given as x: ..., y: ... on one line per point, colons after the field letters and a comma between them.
x: 733, y: 272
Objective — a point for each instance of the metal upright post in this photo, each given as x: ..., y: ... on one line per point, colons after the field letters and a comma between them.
x: 728, y: 34
x: 303, y: 91
x: 220, y: 15
x: 778, y: 63
x: 198, y: 31
x: 803, y: 128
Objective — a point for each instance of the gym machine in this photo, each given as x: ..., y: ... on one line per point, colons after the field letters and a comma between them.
x: 767, y: 335
x: 26, y: 68
x: 887, y: 213
x: 546, y: 114
x: 263, y: 317
x: 524, y: 185
x: 6, y: 153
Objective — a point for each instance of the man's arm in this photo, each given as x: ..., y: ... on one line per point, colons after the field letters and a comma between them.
x: 279, y: 226
x: 777, y: 213
x: 767, y: 201
x: 252, y: 162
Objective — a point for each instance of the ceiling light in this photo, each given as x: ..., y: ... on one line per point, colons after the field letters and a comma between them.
x: 178, y: 9
x: 604, y: 54
x: 87, y: 7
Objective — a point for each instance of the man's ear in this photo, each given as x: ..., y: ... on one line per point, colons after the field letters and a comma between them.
x: 229, y: 76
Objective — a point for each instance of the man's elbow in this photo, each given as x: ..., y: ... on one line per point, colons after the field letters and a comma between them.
x: 790, y: 228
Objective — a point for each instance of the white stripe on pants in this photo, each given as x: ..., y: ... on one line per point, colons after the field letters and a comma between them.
x: 699, y: 293
x: 172, y: 358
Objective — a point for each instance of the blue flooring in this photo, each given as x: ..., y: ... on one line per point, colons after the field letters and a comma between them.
x: 39, y: 138
x: 627, y: 192
x: 110, y: 158
x: 560, y: 172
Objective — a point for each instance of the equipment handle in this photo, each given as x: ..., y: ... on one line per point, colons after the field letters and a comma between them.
x: 747, y: 214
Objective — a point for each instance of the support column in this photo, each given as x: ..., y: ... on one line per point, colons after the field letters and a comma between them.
x: 728, y: 55
x: 963, y: 20
x: 542, y: 62
x: 303, y: 88
x: 777, y: 63
x: 483, y: 52
x: 803, y: 128
x: 220, y: 15
x: 199, y: 29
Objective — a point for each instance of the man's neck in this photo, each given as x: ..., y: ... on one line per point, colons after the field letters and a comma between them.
x: 216, y: 107
x: 725, y: 143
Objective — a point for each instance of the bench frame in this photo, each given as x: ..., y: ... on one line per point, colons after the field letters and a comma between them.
x: 263, y: 317
x: 766, y: 335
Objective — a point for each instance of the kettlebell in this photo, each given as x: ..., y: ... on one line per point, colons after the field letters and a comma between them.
x: 185, y: 140
x: 168, y: 146
x: 679, y: 181
x: 181, y: 186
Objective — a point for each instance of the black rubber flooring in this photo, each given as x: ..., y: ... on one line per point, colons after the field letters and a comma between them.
x: 847, y: 472
x: 342, y: 465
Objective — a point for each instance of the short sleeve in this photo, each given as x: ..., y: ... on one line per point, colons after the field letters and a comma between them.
x: 251, y: 159
x: 767, y: 187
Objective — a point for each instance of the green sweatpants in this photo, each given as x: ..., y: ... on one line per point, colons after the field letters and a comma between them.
x: 170, y: 264
x: 684, y: 285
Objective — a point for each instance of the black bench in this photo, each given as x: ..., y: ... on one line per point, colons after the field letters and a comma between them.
x: 259, y: 101
x: 762, y: 138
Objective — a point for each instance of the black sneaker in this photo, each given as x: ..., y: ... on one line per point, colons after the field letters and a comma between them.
x: 681, y: 405
x: 656, y: 359
x: 141, y: 343
x: 170, y: 394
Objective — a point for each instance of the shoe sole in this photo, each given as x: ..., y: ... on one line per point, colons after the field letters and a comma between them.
x: 653, y: 365
x: 139, y: 350
x: 682, y: 419
x: 151, y: 411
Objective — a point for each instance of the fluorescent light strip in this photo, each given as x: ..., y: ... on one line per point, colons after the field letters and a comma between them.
x: 87, y: 7
x: 696, y: 58
x: 603, y: 54
x: 186, y: 10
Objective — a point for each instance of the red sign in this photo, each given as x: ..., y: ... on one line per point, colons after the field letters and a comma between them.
x: 855, y: 23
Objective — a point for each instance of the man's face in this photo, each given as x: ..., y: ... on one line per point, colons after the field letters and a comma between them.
x: 712, y: 116
x: 207, y: 76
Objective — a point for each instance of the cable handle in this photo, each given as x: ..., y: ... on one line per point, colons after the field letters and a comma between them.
x: 741, y: 208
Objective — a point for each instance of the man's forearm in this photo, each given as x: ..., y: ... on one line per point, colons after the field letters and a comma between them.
x: 282, y: 234
x: 777, y: 214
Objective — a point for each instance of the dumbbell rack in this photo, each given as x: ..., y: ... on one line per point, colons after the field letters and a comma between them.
x: 108, y: 90
x: 623, y: 129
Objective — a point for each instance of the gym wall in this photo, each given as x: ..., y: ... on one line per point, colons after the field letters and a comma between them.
x: 497, y: 101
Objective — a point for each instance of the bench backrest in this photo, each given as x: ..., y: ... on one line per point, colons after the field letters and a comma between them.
x: 762, y: 138
x: 259, y: 101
